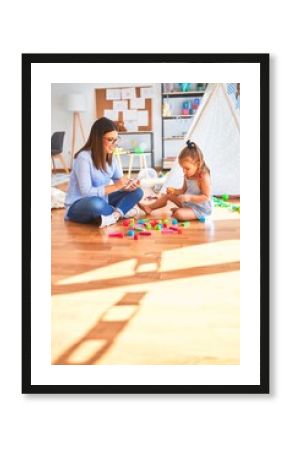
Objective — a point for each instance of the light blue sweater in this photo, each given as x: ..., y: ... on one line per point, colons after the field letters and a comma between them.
x: 87, y: 181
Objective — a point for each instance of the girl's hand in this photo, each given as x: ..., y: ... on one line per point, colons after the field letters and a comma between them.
x: 184, y: 198
x: 170, y: 191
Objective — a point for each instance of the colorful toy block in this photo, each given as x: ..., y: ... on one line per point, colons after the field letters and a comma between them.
x: 116, y: 235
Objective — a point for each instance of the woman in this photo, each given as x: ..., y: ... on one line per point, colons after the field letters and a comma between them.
x: 91, y: 196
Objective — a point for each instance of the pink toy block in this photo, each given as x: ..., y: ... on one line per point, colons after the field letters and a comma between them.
x: 167, y: 231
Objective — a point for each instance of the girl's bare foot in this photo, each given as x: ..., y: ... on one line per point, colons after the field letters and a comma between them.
x: 145, y: 208
x: 173, y: 210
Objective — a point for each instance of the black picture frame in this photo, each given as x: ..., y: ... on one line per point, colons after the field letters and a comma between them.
x: 259, y: 59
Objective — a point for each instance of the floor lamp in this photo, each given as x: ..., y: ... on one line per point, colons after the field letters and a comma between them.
x: 75, y: 103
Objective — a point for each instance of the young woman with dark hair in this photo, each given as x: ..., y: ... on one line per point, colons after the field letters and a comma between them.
x: 98, y: 192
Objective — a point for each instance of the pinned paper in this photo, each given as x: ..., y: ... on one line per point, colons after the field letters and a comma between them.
x: 142, y: 118
x: 137, y: 103
x: 130, y: 114
x: 113, y: 94
x: 131, y: 125
x: 128, y: 93
x: 146, y: 92
x: 120, y: 106
x: 111, y: 114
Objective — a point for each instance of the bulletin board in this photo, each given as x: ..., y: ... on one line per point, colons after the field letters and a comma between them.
x: 103, y: 104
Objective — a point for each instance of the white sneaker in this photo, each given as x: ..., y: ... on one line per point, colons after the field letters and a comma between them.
x: 133, y: 212
x: 108, y: 220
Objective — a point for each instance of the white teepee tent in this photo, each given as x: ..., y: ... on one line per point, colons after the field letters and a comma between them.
x: 216, y: 129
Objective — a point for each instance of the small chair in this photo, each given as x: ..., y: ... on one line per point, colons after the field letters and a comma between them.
x: 57, y: 148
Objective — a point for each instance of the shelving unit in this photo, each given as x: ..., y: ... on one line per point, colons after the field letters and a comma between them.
x: 125, y: 142
x: 176, y: 124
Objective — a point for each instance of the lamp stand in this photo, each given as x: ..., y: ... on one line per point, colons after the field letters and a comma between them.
x: 76, y: 118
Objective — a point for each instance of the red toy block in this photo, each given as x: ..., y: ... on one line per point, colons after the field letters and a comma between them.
x: 117, y: 235
x: 145, y: 233
x: 136, y: 237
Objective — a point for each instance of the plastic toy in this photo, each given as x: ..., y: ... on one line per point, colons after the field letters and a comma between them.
x: 202, y: 219
x: 225, y: 197
x: 174, y: 221
x: 145, y: 233
x: 185, y: 224
x: 136, y: 237
x: 116, y: 235
x: 131, y: 233
x: 167, y: 231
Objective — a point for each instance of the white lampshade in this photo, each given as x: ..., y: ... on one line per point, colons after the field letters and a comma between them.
x: 75, y: 102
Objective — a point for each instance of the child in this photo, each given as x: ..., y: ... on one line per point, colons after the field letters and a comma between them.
x: 193, y: 200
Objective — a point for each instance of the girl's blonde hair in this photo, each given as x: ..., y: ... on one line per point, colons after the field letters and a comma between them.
x: 193, y: 152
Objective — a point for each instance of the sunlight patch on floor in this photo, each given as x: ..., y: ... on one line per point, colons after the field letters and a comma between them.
x: 208, y: 254
x: 86, y: 350
x: 224, y: 214
x: 119, y: 313
x: 120, y: 269
x: 150, y: 267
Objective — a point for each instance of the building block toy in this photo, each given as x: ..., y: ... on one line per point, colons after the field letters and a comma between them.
x: 174, y: 221
x: 202, y: 219
x: 126, y: 223
x: 136, y: 237
x: 131, y: 233
x: 145, y: 233
x: 225, y: 197
x: 185, y: 224
x: 167, y: 231
x: 117, y: 235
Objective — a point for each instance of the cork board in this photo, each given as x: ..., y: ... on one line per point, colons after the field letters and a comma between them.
x: 102, y: 103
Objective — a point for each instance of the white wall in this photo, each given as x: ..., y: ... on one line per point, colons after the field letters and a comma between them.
x: 61, y: 120
x: 207, y: 422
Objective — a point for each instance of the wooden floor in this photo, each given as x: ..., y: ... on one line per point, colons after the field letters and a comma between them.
x: 159, y: 300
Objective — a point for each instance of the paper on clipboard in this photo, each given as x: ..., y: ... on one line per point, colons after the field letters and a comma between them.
x: 128, y: 93
x: 130, y: 114
x: 131, y: 125
x: 111, y: 114
x: 142, y: 118
x: 120, y: 105
x: 146, y: 92
x: 137, y: 103
x: 113, y: 94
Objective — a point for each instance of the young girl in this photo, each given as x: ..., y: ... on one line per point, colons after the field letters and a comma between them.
x: 193, y: 200
x: 91, y: 196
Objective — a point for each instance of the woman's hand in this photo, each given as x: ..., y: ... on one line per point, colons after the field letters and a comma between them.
x: 121, y: 183
x: 132, y: 185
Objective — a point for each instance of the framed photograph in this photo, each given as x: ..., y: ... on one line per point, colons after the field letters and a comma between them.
x: 145, y: 228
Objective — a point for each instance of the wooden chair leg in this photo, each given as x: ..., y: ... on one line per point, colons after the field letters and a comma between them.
x: 63, y: 163
x: 53, y: 163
